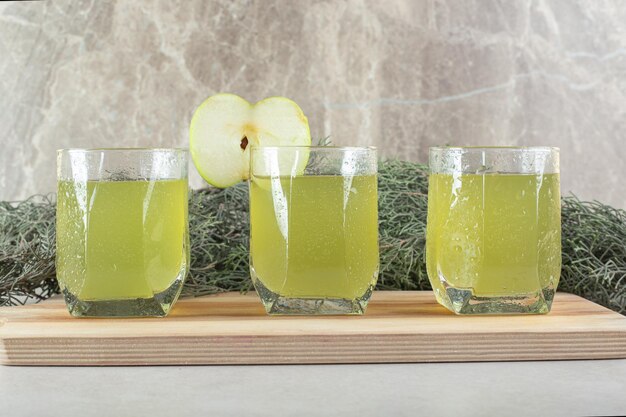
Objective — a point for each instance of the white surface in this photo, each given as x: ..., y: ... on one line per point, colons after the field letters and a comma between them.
x: 465, y: 389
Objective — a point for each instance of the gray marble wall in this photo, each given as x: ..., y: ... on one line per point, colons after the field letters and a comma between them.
x: 401, y: 74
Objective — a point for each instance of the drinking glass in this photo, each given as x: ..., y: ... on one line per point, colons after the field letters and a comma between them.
x: 314, y: 228
x: 122, y: 230
x: 493, y: 239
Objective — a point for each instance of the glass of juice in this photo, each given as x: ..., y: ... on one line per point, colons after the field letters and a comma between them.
x: 122, y: 230
x: 314, y: 228
x: 493, y: 239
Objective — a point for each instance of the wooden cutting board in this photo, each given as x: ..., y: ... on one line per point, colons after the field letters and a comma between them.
x: 233, y: 329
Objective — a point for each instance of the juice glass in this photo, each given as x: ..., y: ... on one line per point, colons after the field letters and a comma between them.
x: 314, y: 228
x: 493, y: 239
x: 122, y: 230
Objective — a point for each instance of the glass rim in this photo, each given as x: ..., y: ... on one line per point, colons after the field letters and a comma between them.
x: 137, y: 150
x: 495, y: 148
x: 316, y: 147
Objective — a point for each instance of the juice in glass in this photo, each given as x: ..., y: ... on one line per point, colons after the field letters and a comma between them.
x: 494, y: 240
x: 122, y: 244
x: 314, y: 241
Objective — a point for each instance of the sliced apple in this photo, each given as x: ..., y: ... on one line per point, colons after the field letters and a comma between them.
x: 225, y: 127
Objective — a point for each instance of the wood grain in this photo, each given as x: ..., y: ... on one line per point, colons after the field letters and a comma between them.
x: 233, y: 329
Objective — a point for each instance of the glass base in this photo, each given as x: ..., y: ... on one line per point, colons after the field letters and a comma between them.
x: 464, y: 301
x: 276, y: 304
x: 157, y: 306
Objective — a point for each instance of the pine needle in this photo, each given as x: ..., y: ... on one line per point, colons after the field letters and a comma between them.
x: 594, y: 236
x: 27, y: 250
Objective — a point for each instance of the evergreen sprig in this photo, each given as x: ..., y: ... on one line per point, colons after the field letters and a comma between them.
x: 594, y: 236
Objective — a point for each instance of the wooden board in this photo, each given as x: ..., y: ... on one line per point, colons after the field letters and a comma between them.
x: 233, y: 329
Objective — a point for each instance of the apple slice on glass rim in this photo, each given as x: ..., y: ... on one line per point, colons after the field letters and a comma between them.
x: 225, y: 126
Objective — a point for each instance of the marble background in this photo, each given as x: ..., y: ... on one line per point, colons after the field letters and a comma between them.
x: 399, y: 74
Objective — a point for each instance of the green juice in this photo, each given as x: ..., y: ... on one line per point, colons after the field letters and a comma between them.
x: 493, y: 235
x: 121, y: 239
x: 314, y: 237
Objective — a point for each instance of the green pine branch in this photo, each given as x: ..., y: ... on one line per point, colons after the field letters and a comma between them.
x: 594, y: 248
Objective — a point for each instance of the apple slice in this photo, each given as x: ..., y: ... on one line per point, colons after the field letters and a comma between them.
x: 225, y: 126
